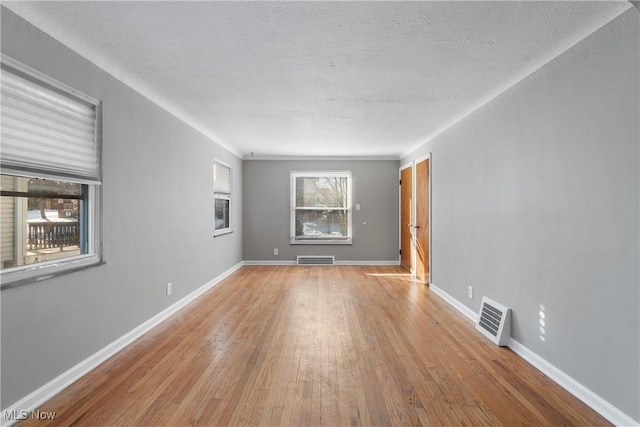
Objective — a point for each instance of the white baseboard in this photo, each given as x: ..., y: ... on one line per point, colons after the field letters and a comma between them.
x: 270, y: 262
x: 595, y: 402
x: 259, y: 262
x: 367, y: 262
x: 591, y: 399
x: 455, y: 303
x: 40, y: 396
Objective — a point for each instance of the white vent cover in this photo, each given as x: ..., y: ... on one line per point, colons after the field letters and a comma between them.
x: 315, y: 260
x: 494, y: 321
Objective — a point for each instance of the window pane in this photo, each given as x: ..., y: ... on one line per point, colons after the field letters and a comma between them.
x: 322, y: 224
x: 321, y: 192
x: 221, y: 214
x: 41, y: 220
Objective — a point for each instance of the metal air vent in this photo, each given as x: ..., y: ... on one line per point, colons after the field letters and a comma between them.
x: 315, y: 260
x: 494, y: 321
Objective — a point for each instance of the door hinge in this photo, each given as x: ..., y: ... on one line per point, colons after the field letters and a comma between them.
x: 400, y: 182
x: 400, y: 251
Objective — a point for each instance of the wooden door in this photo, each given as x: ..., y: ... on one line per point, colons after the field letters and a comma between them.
x: 406, y: 205
x: 421, y: 230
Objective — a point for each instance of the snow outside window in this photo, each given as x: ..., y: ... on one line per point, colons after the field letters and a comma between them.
x: 321, y: 208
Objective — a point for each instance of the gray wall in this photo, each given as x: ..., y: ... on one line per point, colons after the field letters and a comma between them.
x: 158, y: 226
x: 535, y: 202
x: 267, y: 190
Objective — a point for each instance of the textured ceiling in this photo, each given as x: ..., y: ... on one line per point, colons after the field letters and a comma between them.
x: 319, y: 78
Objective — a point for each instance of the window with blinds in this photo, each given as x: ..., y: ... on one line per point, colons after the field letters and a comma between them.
x: 50, y: 169
x: 47, y: 130
x: 221, y: 197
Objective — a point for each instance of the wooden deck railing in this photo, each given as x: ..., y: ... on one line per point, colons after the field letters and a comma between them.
x: 47, y: 235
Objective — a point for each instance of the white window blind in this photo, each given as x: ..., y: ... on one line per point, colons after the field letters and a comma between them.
x: 46, y: 130
x: 221, y: 179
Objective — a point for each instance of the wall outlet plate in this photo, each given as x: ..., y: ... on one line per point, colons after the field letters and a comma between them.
x: 470, y: 292
x: 169, y: 288
x: 275, y: 251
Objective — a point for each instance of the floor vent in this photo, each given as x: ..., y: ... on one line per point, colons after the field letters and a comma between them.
x: 494, y: 321
x: 315, y: 260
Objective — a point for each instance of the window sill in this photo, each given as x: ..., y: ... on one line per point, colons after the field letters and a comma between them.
x: 222, y: 232
x: 13, y: 279
x: 321, y: 242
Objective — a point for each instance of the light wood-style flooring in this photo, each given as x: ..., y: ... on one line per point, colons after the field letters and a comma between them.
x: 306, y: 346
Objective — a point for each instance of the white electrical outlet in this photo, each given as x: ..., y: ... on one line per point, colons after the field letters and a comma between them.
x: 275, y: 251
x: 169, y: 288
x: 471, y: 292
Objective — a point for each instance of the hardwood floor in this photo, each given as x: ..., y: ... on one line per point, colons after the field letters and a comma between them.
x: 331, y: 345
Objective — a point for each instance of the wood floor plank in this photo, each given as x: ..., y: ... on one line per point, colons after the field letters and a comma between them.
x: 312, y: 346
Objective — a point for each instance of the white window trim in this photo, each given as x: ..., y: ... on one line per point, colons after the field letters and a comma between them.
x: 292, y: 212
x: 32, y: 273
x: 228, y: 197
x: 25, y: 274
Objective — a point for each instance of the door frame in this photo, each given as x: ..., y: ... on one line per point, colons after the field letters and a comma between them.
x: 414, y: 248
x: 412, y: 254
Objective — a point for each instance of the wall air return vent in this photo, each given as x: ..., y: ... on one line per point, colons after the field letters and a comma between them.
x: 315, y: 260
x: 494, y: 321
